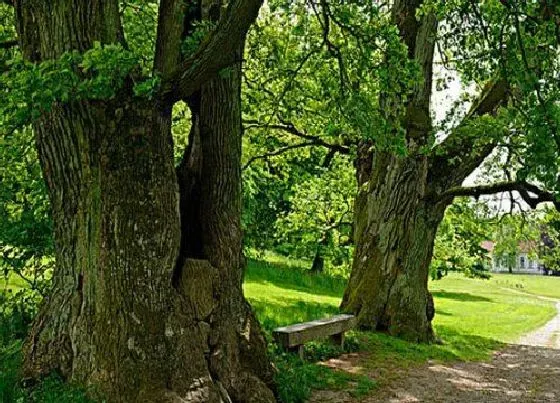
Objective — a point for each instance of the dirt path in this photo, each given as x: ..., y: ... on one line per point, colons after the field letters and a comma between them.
x: 524, y: 372
x: 546, y: 336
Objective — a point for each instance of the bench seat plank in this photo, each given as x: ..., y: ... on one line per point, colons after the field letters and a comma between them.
x: 300, y: 333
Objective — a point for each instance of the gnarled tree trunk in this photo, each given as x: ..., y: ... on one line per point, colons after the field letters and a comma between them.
x: 395, y: 224
x: 395, y: 232
x: 402, y: 199
x: 146, y: 302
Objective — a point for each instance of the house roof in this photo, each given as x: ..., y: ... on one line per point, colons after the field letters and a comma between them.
x: 527, y: 246
x: 523, y: 246
x: 488, y: 245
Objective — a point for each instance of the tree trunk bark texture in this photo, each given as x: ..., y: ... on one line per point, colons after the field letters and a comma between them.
x: 146, y: 304
x: 394, y: 222
x: 395, y: 231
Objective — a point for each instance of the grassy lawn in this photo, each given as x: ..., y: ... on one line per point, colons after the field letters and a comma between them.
x: 473, y: 317
x: 547, y: 286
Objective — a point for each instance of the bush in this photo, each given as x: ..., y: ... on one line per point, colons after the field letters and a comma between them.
x: 478, y: 270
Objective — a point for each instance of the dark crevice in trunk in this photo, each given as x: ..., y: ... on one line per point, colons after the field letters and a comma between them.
x: 384, y: 320
x: 189, y: 178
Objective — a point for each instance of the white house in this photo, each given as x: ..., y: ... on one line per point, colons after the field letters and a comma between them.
x: 524, y: 262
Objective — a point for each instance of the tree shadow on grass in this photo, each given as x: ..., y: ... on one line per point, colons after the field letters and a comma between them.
x: 442, y: 313
x: 456, y: 347
x: 460, y: 296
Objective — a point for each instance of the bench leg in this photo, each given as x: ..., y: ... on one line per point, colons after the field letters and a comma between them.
x: 338, y: 339
x: 297, y: 350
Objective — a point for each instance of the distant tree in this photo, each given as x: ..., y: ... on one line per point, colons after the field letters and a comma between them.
x: 319, y: 221
x: 549, y: 242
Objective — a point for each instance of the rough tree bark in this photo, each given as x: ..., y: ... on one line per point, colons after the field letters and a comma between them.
x: 146, y: 302
x: 397, y: 210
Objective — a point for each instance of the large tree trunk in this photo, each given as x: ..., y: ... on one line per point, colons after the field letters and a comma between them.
x: 395, y: 231
x: 130, y: 311
x: 394, y: 222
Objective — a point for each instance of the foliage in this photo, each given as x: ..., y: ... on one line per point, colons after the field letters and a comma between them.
x: 520, y: 42
x: 323, y: 67
x: 140, y: 22
x: 458, y: 240
x: 26, y: 246
x: 312, y: 81
x: 319, y: 220
x: 30, y: 89
x: 478, y: 270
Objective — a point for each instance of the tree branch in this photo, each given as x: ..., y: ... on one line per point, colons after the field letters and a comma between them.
x: 215, y: 53
x: 331, y: 47
x: 530, y: 193
x: 459, y: 155
x: 279, y: 151
x: 169, y: 36
x: 291, y: 129
x: 419, y: 36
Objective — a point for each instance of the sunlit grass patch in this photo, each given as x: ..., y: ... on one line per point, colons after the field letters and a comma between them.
x: 473, y: 318
x: 547, y: 286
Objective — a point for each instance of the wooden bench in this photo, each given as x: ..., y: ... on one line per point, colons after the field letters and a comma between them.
x: 293, y: 337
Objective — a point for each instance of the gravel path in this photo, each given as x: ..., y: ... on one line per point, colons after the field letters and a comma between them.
x: 524, y: 372
x: 546, y: 336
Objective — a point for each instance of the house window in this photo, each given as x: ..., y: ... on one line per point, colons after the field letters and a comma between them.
x: 522, y: 262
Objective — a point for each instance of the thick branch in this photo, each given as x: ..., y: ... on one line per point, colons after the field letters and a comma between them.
x: 419, y: 36
x: 459, y: 155
x: 214, y: 54
x: 530, y: 193
x: 169, y: 35
x: 291, y: 129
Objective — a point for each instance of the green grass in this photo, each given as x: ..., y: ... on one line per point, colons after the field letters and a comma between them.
x: 486, y: 309
x: 546, y: 286
x: 473, y: 318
